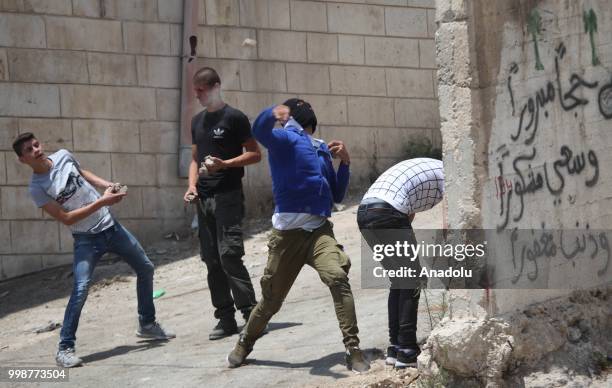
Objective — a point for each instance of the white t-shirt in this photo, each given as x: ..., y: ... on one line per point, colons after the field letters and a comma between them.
x: 64, y: 184
x: 411, y: 186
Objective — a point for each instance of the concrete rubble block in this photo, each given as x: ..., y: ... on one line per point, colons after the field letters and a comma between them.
x: 229, y: 71
x: 97, y: 162
x: 4, y: 73
x: 308, y: 16
x: 392, y: 143
x: 263, y: 76
x: 30, y: 100
x: 35, y: 237
x: 455, y: 106
x: 452, y: 10
x: 370, y: 111
x: 282, y: 45
x: 134, y: 169
x: 453, y: 53
x: 409, y: 83
x: 53, y: 133
x: 126, y: 103
x: 207, y: 46
x: 22, y: 31
x: 358, y: 140
x: 170, y: 11
x: 16, y: 172
x: 330, y: 110
x: 254, y: 13
x: 162, y: 72
x: 427, y: 54
x: 87, y: 8
x: 168, y: 104
x: 52, y: 66
x: 279, y: 11
x: 143, y: 10
x: 222, y: 12
x: 55, y: 7
x: 17, y: 204
x: 159, y: 137
x: 408, y: 22
x: 356, y: 19
x: 131, y: 205
x: 15, y: 265
x: 167, y: 171
x: 399, y: 52
x: 303, y: 78
x: 165, y: 202
x: 10, y: 129
x: 52, y: 261
x: 147, y: 38
x: 357, y: 80
x: 84, y: 34
x: 351, y: 49
x: 112, y: 69
x: 229, y: 42
x: 106, y: 136
x: 5, y: 237
x: 417, y: 113
x: 322, y: 48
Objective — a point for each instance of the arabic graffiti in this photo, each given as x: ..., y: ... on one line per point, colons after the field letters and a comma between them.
x: 573, y: 245
x: 534, y: 27
x: 590, y: 27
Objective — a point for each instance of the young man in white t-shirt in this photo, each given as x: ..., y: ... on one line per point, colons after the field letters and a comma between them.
x: 67, y: 192
x: 384, y: 217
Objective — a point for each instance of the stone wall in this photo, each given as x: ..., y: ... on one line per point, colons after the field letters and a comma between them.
x: 525, y: 117
x: 102, y: 78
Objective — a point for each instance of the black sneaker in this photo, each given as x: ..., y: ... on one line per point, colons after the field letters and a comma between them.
x: 391, y: 355
x: 225, y: 328
x: 406, y: 357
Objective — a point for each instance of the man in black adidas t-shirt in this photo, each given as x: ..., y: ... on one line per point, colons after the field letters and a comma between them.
x: 219, y: 135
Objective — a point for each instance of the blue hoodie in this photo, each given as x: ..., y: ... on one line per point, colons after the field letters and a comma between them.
x: 303, y: 177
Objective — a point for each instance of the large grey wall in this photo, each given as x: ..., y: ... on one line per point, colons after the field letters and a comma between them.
x: 102, y: 78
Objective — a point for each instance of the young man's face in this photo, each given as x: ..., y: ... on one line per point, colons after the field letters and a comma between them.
x: 206, y: 94
x: 31, y: 152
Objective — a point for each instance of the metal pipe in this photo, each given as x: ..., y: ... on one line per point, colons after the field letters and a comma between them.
x: 188, y: 100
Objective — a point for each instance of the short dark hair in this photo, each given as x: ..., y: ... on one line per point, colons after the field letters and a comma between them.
x: 302, y: 112
x: 18, y: 143
x: 206, y: 76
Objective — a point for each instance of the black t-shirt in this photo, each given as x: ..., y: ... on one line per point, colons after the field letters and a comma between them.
x: 220, y: 134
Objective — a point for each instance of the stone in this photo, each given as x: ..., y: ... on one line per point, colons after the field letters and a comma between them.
x: 159, y: 137
x: 356, y: 19
x: 330, y: 110
x: 147, y: 38
x: 409, y: 83
x: 48, y: 66
x: 54, y: 134
x: 112, y: 69
x: 126, y: 103
x: 222, y: 12
x: 33, y: 100
x: 357, y: 80
x: 17, y: 203
x: 106, y: 136
x: 308, y: 16
x: 279, y: 11
x: 302, y: 78
x: 143, y: 10
x: 397, y: 52
x: 254, y: 13
x: 427, y: 54
x: 282, y: 45
x: 263, y: 76
x: 408, y: 22
x: 134, y: 169
x: 351, y: 49
x: 84, y: 34
x: 229, y: 43
x: 4, y: 74
x: 322, y: 48
x: 415, y: 113
x: 30, y: 237
x: 162, y: 72
x: 18, y: 30
x: 168, y: 104
x: 370, y: 111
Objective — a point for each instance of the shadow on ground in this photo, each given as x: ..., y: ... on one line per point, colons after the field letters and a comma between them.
x: 321, y: 366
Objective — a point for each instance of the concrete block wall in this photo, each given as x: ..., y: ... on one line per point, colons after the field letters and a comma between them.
x: 102, y: 78
x: 524, y: 91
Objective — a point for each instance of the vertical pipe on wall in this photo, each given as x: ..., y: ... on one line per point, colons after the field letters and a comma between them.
x: 188, y: 59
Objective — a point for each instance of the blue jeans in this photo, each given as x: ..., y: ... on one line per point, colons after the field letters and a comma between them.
x: 88, y: 248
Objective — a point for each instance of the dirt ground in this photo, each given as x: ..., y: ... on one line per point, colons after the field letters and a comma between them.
x: 303, y: 348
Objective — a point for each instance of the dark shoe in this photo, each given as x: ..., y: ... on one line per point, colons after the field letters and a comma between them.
x: 225, y: 328
x: 391, y: 355
x: 240, y: 352
x: 154, y: 331
x: 356, y: 361
x: 406, y: 357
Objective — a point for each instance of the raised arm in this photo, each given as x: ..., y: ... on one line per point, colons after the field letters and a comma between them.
x: 263, y: 127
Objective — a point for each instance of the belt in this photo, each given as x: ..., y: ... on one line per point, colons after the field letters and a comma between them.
x: 375, y: 205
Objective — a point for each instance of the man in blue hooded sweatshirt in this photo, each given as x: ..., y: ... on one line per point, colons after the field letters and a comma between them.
x: 305, y: 186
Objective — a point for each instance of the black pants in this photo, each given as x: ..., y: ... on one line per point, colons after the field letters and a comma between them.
x: 380, y: 223
x: 221, y: 248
